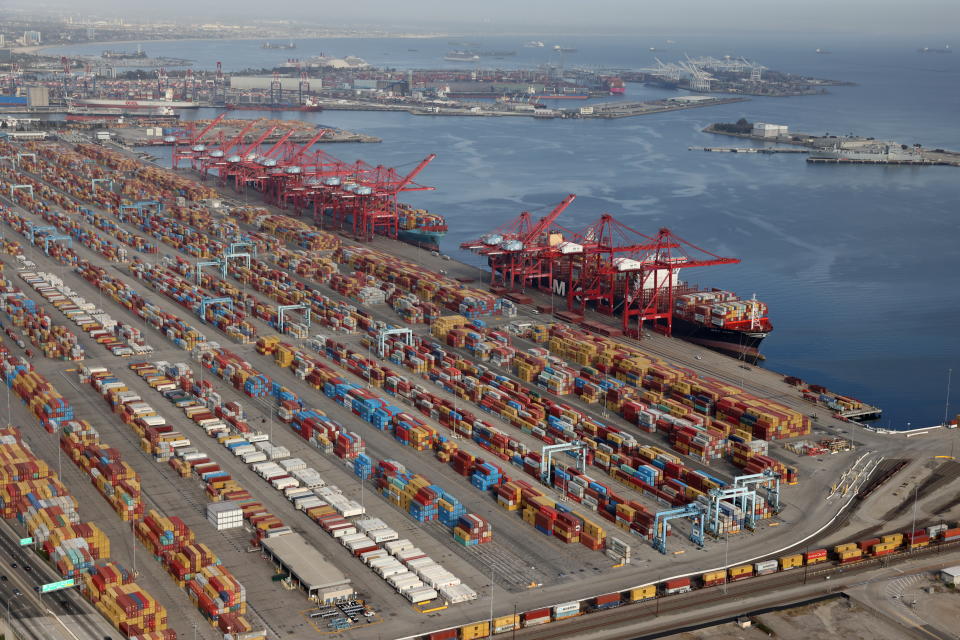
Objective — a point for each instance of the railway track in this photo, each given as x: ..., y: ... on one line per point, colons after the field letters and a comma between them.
x: 655, y: 607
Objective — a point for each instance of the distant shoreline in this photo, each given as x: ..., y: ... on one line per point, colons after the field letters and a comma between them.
x: 145, y: 43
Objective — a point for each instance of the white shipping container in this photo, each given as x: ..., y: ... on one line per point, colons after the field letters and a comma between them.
x: 283, y: 483
x: 395, y: 546
x: 370, y: 524
x: 424, y: 594
x: 383, y: 535
x: 255, y: 456
x: 342, y: 532
x: 293, y: 464
x: 370, y: 556
x: 390, y: 570
x: 243, y: 450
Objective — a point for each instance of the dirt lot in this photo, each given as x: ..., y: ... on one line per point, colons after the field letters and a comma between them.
x: 826, y: 620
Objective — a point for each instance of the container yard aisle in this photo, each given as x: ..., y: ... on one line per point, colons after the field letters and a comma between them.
x: 171, y: 495
x: 377, y: 590
x: 93, y: 508
x: 556, y: 563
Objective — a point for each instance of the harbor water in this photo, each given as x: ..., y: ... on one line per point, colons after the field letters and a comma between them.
x: 857, y: 263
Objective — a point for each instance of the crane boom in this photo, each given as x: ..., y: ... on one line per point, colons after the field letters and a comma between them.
x: 548, y: 220
x: 276, y: 145
x: 413, y: 174
x: 256, y: 143
x: 239, y: 137
x: 302, y: 150
x: 207, y: 128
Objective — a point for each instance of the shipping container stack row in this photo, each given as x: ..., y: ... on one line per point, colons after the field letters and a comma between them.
x: 211, y: 587
x: 105, y: 224
x: 120, y: 339
x: 34, y: 495
x: 413, y: 574
x: 227, y: 318
x: 54, y: 341
x: 182, y: 334
x: 427, y: 285
x: 166, y: 444
x: 618, y: 453
x: 173, y: 185
x: 305, y: 488
x: 681, y: 487
x: 301, y: 485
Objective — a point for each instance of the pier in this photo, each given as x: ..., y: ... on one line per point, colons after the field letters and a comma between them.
x: 749, y: 149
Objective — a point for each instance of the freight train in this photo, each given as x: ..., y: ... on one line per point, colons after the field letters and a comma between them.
x: 840, y: 555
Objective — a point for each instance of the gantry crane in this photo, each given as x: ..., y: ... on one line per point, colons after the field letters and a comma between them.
x: 369, y: 200
x: 217, y: 158
x: 521, y: 253
x: 190, y: 146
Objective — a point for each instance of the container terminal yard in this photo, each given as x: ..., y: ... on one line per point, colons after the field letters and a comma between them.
x: 269, y: 429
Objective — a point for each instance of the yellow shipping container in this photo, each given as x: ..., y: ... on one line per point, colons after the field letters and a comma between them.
x: 643, y: 593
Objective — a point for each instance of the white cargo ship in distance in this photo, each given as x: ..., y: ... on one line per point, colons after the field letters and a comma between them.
x: 134, y: 104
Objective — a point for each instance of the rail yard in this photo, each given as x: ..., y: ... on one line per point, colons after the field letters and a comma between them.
x: 279, y: 420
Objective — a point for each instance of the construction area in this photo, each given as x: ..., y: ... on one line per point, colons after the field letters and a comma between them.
x: 286, y: 422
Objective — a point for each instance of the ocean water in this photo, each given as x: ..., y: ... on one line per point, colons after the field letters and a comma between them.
x: 859, y: 264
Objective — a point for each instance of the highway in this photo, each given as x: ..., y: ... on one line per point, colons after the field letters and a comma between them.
x: 61, y: 614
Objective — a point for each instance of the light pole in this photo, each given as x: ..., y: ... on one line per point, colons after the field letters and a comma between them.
x: 913, y: 527
x: 9, y: 600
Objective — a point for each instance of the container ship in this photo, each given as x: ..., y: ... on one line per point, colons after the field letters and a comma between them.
x: 414, y: 226
x: 134, y: 103
x: 617, y: 87
x: 721, y: 321
x: 98, y: 114
x: 421, y: 228
x: 309, y: 107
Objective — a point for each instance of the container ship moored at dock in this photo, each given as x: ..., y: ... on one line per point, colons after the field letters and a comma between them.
x: 720, y: 320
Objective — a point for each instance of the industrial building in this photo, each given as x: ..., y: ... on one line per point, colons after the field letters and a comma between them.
x: 767, y: 130
x: 308, y: 568
x: 951, y: 576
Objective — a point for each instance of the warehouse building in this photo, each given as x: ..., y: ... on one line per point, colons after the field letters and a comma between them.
x: 308, y: 568
x: 951, y: 575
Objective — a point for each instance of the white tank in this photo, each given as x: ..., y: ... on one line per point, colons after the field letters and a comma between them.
x: 234, y: 159
x: 268, y: 162
x: 198, y: 148
x: 363, y: 191
x: 332, y: 182
x: 292, y: 170
x: 492, y: 240
x: 512, y: 245
x: 216, y: 154
x: 169, y: 139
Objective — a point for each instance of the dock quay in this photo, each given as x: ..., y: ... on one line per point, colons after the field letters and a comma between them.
x: 630, y: 109
x: 828, y: 149
x: 294, y: 410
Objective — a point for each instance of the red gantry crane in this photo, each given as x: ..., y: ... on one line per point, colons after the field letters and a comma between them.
x: 189, y: 145
x: 522, y: 253
x: 368, y: 198
x: 627, y: 272
x: 218, y: 158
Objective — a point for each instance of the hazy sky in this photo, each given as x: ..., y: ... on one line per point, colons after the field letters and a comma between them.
x: 623, y: 16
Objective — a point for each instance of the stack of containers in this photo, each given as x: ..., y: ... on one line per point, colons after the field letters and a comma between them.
x: 471, y: 530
